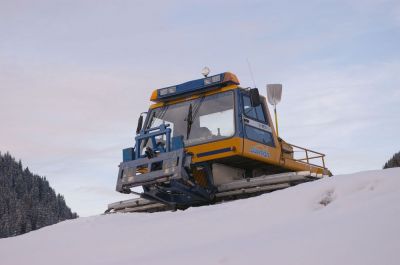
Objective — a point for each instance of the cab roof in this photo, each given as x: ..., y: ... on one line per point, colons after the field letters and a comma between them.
x: 194, y: 87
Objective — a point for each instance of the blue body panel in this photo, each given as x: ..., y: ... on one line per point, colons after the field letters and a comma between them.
x: 128, y: 154
x: 177, y: 142
x: 199, y: 85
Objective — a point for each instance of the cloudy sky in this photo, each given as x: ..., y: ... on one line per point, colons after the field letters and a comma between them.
x: 74, y: 76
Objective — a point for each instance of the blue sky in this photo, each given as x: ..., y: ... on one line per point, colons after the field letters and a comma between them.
x: 74, y: 76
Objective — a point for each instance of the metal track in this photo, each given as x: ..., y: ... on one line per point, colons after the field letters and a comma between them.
x: 238, y: 189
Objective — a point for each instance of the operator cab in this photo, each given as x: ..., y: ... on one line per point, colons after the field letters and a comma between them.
x: 210, y: 113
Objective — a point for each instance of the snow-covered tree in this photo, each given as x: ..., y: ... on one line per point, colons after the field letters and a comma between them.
x: 393, y: 162
x: 27, y: 202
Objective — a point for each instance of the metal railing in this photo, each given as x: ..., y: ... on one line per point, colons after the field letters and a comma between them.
x: 306, y: 155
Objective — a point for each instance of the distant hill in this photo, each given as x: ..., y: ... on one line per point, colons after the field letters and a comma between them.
x: 393, y: 162
x: 27, y: 202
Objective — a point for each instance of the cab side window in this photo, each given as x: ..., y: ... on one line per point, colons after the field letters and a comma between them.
x: 256, y: 113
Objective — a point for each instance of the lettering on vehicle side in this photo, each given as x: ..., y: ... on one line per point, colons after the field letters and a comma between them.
x: 259, y: 152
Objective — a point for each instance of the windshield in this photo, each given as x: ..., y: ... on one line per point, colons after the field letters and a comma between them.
x: 211, y: 118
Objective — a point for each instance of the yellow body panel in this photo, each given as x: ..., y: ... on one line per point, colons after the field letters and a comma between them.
x: 244, y: 147
x: 274, y: 157
x: 261, y: 152
x: 235, y: 143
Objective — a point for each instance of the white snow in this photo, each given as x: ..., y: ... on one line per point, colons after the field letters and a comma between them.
x: 360, y: 224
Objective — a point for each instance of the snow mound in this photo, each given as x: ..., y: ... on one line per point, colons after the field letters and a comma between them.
x: 347, y: 219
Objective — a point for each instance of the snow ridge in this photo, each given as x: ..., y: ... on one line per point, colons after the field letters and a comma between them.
x: 347, y: 219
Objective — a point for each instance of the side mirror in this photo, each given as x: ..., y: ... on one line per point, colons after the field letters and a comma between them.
x: 255, y: 97
x: 140, y: 124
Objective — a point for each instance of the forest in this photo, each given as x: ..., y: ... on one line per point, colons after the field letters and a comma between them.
x: 27, y: 202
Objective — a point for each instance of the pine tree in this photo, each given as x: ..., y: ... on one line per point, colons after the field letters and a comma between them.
x: 393, y: 162
x: 27, y: 202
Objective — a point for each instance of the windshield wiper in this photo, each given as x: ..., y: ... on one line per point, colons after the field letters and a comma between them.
x: 189, y: 121
x: 191, y: 116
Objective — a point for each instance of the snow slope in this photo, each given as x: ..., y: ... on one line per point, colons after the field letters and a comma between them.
x: 347, y: 220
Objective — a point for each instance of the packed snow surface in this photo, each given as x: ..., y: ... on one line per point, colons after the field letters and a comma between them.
x: 347, y: 220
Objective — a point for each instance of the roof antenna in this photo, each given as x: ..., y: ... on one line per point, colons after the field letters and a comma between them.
x: 251, y: 72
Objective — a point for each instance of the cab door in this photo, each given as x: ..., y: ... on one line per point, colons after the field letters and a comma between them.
x: 258, y: 136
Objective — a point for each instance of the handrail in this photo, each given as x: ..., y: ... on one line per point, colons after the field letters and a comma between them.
x: 306, y: 149
x: 309, y: 155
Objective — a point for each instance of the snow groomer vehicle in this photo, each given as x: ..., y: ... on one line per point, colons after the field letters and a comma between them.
x: 207, y: 141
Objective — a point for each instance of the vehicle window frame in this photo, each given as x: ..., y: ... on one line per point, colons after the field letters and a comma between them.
x: 211, y: 94
x: 262, y: 105
x: 266, y: 122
